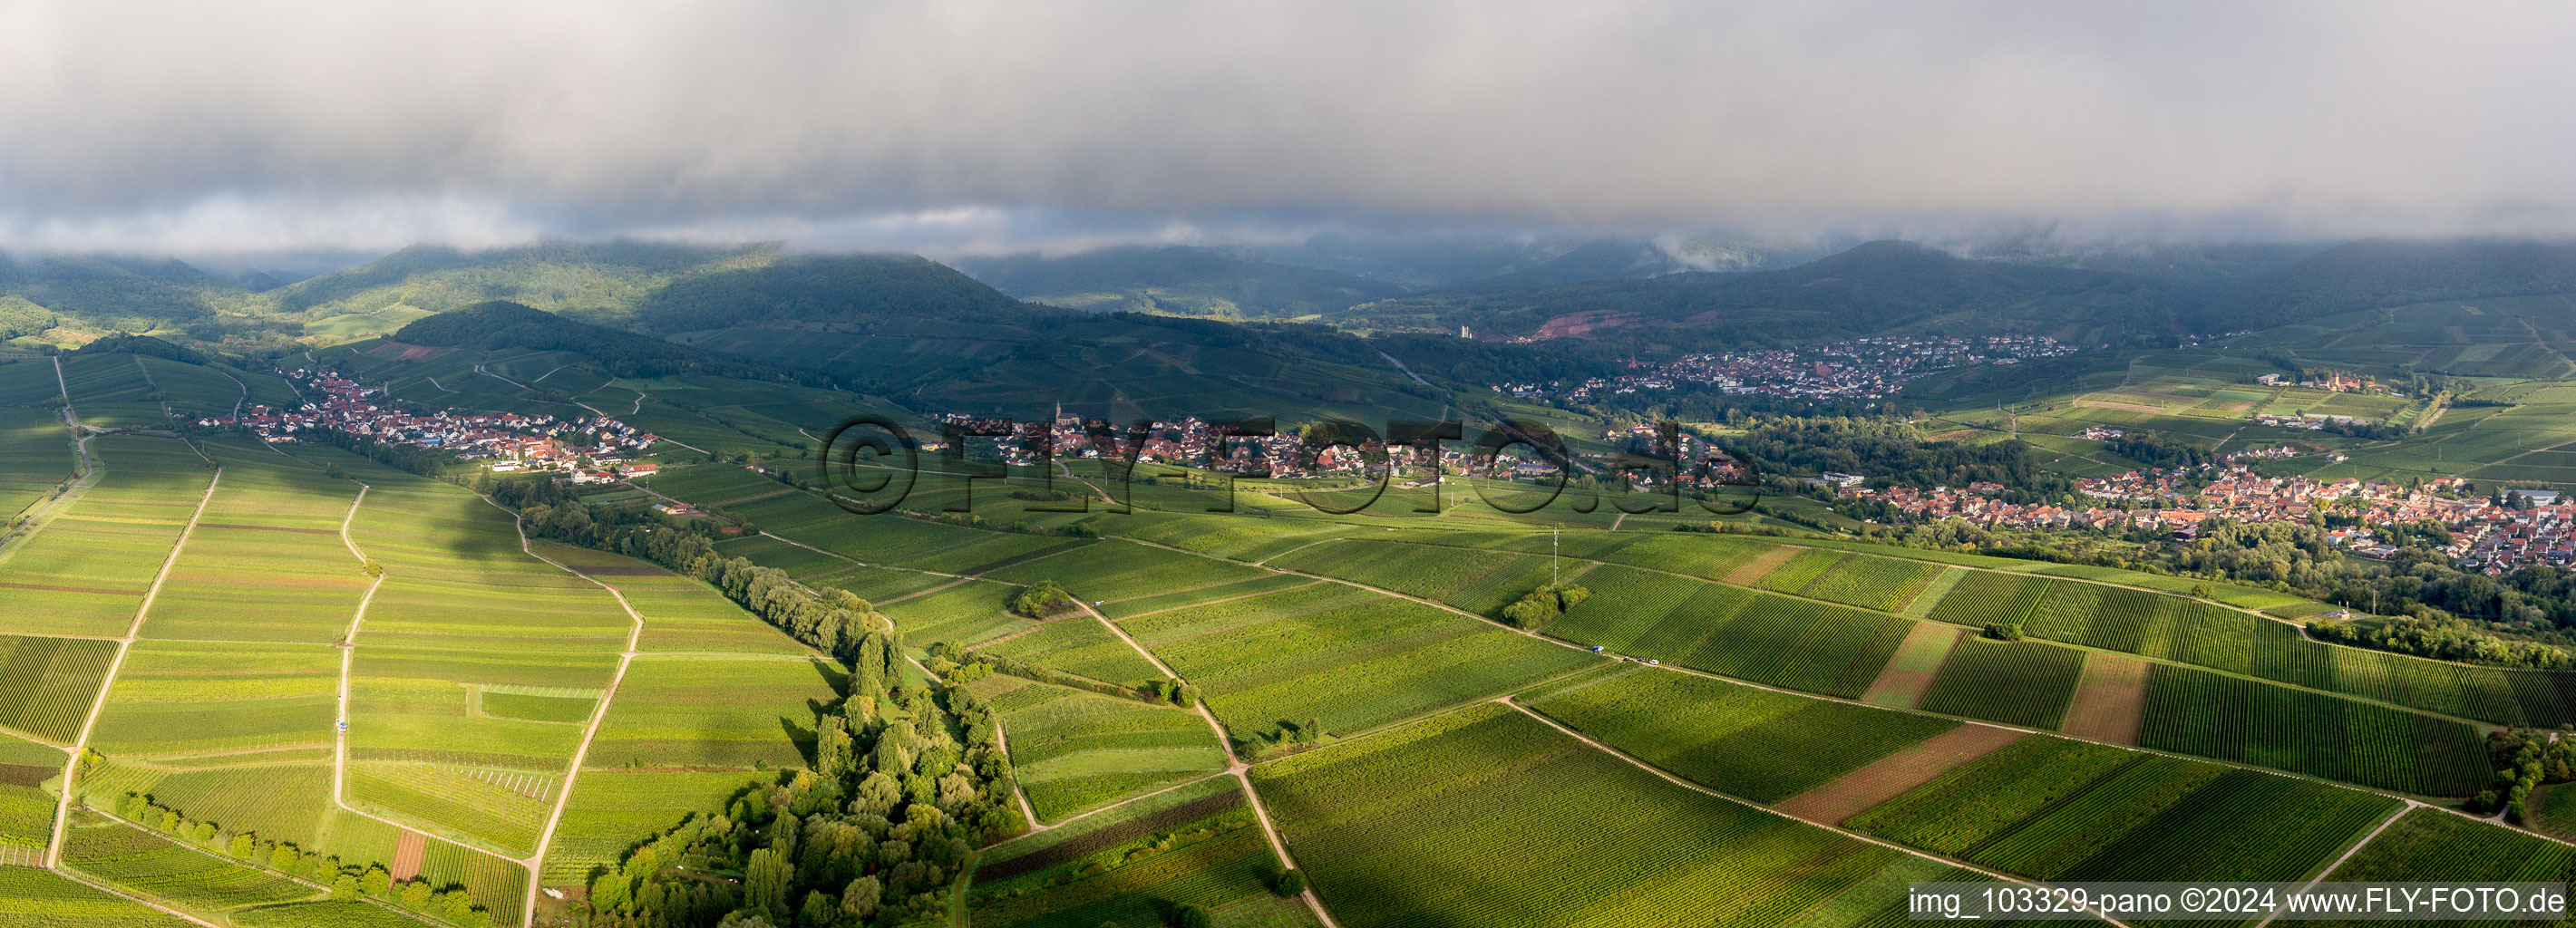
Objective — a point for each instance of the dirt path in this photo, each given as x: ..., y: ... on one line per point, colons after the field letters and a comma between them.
x: 625, y: 660
x: 1002, y: 739
x: 1781, y: 808
x: 2110, y: 700
x: 2347, y: 855
x: 98, y: 703
x: 1890, y: 776
x: 1234, y: 764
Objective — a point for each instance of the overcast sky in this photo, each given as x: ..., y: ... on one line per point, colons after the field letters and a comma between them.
x: 968, y: 125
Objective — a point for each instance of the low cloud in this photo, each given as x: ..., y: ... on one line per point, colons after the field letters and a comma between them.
x: 978, y: 125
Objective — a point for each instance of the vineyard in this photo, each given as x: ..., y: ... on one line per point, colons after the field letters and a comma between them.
x: 1477, y: 581
x: 1198, y: 845
x: 1885, y: 584
x: 1778, y: 640
x: 715, y: 713
x: 2430, y: 844
x: 1075, y: 750
x: 35, y: 897
x: 1077, y: 644
x: 85, y: 571
x: 46, y: 684
x: 1116, y: 570
x: 2018, y: 682
x: 612, y: 810
x: 2213, y: 715
x: 1735, y: 739
x: 159, y: 867
x: 1351, y: 664
x: 1431, y: 824
x: 2189, y: 631
x: 2055, y: 809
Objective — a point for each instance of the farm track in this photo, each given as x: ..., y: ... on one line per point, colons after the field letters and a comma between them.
x: 98, y: 703
x: 2347, y: 854
x: 1002, y: 739
x: 1235, y: 765
x: 599, y: 714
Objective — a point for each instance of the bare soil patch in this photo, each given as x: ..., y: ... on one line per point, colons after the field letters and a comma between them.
x: 1917, y: 661
x: 1891, y: 776
x: 408, y: 851
x: 2110, y: 700
x: 1756, y: 567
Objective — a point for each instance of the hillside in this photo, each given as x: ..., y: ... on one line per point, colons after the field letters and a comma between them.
x: 2378, y: 274
x: 500, y: 324
x: 1177, y: 281
x: 1873, y: 288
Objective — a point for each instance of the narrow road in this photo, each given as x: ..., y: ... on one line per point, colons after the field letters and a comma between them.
x: 1002, y: 739
x: 348, y: 653
x: 626, y: 659
x: 98, y: 703
x: 2347, y: 854
x: 1235, y: 765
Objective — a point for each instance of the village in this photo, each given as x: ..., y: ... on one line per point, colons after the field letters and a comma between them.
x: 1864, y: 368
x: 2495, y: 534
x: 589, y: 449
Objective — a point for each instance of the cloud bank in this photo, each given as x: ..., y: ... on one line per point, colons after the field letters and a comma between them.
x: 975, y: 125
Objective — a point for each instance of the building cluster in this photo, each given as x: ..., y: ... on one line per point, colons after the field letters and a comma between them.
x: 2496, y: 535
x: 2331, y: 383
x: 2311, y: 421
x: 506, y: 442
x: 1863, y: 368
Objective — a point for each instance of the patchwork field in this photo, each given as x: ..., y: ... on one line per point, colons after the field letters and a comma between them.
x: 1735, y: 739
x: 2051, y: 808
x: 2186, y: 631
x: 1409, y: 827
x: 85, y: 572
x: 612, y: 810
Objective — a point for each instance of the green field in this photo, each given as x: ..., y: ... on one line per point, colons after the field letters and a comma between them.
x: 35, y: 897
x: 2187, y: 631
x: 164, y: 868
x: 1766, y: 638
x: 1198, y: 845
x: 1418, y: 826
x: 1075, y: 751
x: 1349, y: 658
x: 1739, y: 740
x: 613, y: 810
x: 715, y: 713
x: 2017, y: 683
x: 2213, y: 715
x: 2050, y: 808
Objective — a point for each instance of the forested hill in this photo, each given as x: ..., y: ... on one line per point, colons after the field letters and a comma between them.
x: 2372, y: 275
x: 1878, y: 287
x: 1178, y: 280
x: 825, y: 290
x: 501, y: 324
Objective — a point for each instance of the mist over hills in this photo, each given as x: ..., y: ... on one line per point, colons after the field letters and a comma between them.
x: 1618, y: 296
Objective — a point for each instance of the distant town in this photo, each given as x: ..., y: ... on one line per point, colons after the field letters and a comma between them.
x: 2495, y: 534
x: 1863, y: 368
x: 584, y: 450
